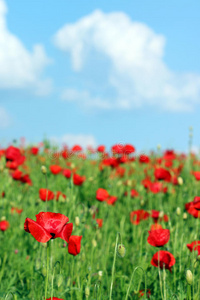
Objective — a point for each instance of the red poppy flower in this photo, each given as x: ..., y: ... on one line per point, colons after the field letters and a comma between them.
x: 193, y: 208
x: 17, y: 210
x: 128, y: 149
x: 155, y: 215
x: 4, y: 225
x: 46, y: 195
x: 48, y: 226
x: 157, y: 187
x: 196, y: 175
x: 162, y: 174
x: 164, y: 259
x: 74, y: 244
x: 34, y: 150
x: 99, y: 222
x: 138, y: 215
x: 12, y: 153
x: 101, y: 194
x: 76, y: 148
x: 55, y: 169
x: 67, y: 173
x: 12, y: 165
x: 101, y: 148
x: 144, y: 159
x: 159, y: 237
x: 78, y: 180
x: 58, y: 194
x: 193, y: 245
x: 141, y: 293
x: 16, y: 175
x: 111, y: 200
x: 117, y: 149
x: 26, y: 179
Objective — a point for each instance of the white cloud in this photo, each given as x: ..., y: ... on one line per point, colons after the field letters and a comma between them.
x: 5, y: 119
x: 70, y: 140
x: 19, y: 68
x: 138, y: 73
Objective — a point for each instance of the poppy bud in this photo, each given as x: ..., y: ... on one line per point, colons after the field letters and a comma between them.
x: 59, y: 280
x: 77, y: 221
x: 94, y: 243
x: 43, y: 170
x: 90, y: 179
x: 100, y: 273
x: 158, y: 146
x: 178, y: 211
x: 121, y: 250
x: 190, y: 128
x: 189, y: 277
x: 180, y: 180
x: 119, y: 183
x: 87, y: 292
x: 142, y: 202
x: 161, y: 214
x: 3, y: 218
x: 198, y: 257
x: 185, y: 216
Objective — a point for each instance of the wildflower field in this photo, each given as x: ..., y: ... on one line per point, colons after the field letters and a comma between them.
x: 98, y: 224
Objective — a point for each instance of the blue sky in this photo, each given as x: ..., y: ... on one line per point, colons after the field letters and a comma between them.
x: 100, y: 72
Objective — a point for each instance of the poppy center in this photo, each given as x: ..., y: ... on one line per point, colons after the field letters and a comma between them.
x: 52, y: 234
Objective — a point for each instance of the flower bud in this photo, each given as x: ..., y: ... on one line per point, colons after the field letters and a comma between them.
x: 100, y: 273
x: 37, y: 264
x: 43, y: 170
x: 87, y: 292
x: 178, y: 211
x: 158, y: 146
x: 189, y: 277
x: 94, y: 243
x: 121, y: 250
x: 44, y: 272
x: 59, y: 280
x: 77, y: 221
x: 198, y: 257
x: 161, y: 214
x: 3, y: 218
x: 142, y: 202
x: 185, y: 216
x: 180, y: 180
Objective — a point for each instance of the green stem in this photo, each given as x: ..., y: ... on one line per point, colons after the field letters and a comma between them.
x: 145, y: 290
x: 47, y: 266
x: 189, y: 292
x: 113, y: 267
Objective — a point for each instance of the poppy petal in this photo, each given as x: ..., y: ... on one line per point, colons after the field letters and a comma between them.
x: 52, y: 222
x: 37, y: 231
x: 66, y: 232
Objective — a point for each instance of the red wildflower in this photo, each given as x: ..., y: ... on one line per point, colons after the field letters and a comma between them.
x: 128, y: 149
x: 141, y: 293
x: 138, y: 215
x: 55, y: 169
x: 162, y: 174
x: 26, y: 179
x: 16, y: 175
x: 156, y: 226
x: 193, y: 208
x: 74, y: 244
x: 46, y: 195
x: 17, y: 210
x: 193, y: 245
x: 55, y: 298
x: 157, y: 187
x: 99, y: 222
x: 67, y: 173
x: 196, y: 175
x: 111, y: 200
x: 58, y: 194
x: 78, y: 180
x: 48, y: 226
x: 163, y: 259
x: 159, y: 237
x: 76, y: 148
x: 101, y: 194
x: 34, y: 150
x: 4, y: 225
x: 101, y: 148
x: 144, y: 159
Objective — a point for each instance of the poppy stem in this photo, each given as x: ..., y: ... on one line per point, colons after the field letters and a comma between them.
x: 47, y: 268
x: 113, y: 267
x: 145, y: 290
x: 46, y: 190
x: 189, y: 292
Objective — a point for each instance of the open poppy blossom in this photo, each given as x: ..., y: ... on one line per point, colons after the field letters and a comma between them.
x: 46, y: 195
x: 67, y: 173
x: 111, y: 200
x: 163, y: 259
x: 58, y: 194
x: 55, y: 169
x: 99, y: 222
x: 162, y: 174
x: 34, y: 150
x: 196, y: 175
x: 137, y: 215
x: 4, y: 225
x: 78, y: 180
x: 193, y: 207
x: 158, y: 237
x: 102, y: 194
x: 193, y: 245
x: 49, y: 225
x: 74, y: 244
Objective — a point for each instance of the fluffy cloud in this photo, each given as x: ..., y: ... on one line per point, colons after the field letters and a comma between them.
x: 72, y: 139
x: 5, y: 119
x: 138, y: 74
x: 19, y: 68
